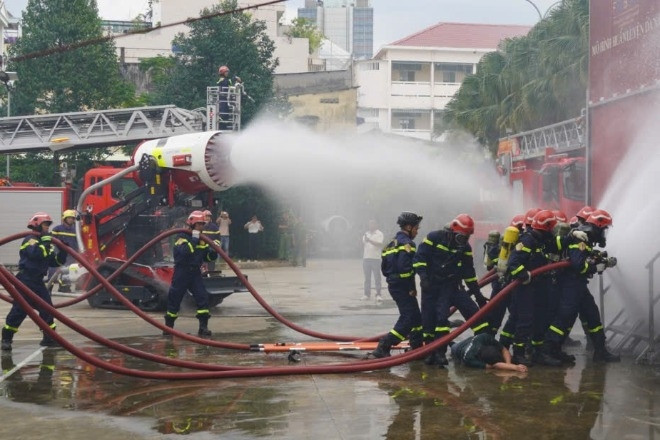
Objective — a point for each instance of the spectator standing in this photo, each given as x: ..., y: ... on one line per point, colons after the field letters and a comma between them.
x: 223, y: 225
x: 373, y: 241
x: 253, y: 227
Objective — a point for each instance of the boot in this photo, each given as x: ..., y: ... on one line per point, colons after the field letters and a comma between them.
x: 204, y: 331
x: 7, y: 338
x: 547, y: 354
x: 601, y: 354
x: 383, y: 348
x: 415, y: 340
x: 519, y: 357
x: 438, y: 358
x: 48, y: 341
x: 169, y: 321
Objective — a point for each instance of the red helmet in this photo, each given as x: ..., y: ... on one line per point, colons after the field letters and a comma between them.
x: 529, y: 215
x: 518, y: 221
x: 208, y: 213
x: 37, y: 219
x: 560, y: 216
x: 462, y: 224
x: 584, y: 213
x: 195, y: 217
x: 600, y: 218
x: 544, y: 220
x: 223, y: 69
x: 574, y: 222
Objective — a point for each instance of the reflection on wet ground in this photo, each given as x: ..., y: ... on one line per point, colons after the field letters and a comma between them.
x: 409, y: 401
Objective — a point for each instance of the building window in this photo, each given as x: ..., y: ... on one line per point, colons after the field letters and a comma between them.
x: 370, y: 66
x: 411, y: 120
x: 453, y: 73
x: 405, y: 71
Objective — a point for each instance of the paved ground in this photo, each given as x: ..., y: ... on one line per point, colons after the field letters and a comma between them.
x: 78, y: 401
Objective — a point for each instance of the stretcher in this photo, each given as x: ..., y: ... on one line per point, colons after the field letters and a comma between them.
x: 295, y: 348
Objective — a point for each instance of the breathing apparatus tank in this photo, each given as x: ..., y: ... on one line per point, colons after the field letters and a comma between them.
x: 493, y: 241
x: 509, y: 240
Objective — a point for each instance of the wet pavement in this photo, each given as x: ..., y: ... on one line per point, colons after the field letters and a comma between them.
x: 74, y: 400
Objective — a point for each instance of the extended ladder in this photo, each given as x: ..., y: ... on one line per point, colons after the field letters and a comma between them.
x: 562, y: 137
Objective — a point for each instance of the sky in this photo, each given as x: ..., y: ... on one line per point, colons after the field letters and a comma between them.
x: 393, y: 19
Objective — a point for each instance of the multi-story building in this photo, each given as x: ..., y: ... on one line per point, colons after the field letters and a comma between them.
x: 291, y: 52
x: 347, y: 23
x: 406, y: 86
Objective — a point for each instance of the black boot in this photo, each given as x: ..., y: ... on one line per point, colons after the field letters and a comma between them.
x: 547, y: 354
x: 519, y: 357
x: 48, y: 341
x: 169, y: 321
x: 415, y: 340
x: 204, y: 331
x: 438, y: 357
x: 601, y: 354
x: 7, y: 338
x: 383, y: 348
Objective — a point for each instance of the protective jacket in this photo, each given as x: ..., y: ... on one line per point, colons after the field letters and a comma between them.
x: 529, y: 254
x: 66, y: 234
x: 397, y: 260
x: 37, y: 254
x: 192, y: 252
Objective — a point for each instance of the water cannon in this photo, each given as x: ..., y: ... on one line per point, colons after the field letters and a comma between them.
x: 197, y: 161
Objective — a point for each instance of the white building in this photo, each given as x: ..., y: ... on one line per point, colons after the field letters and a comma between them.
x: 292, y: 52
x: 406, y: 86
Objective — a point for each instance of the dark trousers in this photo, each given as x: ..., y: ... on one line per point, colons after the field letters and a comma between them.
x: 371, y: 266
x: 17, y: 315
x: 253, y: 245
x: 496, y: 316
x: 522, y: 313
x: 575, y: 299
x: 409, y: 315
x: 185, y: 279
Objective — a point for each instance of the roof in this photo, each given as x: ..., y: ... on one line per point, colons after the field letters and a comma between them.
x: 462, y: 35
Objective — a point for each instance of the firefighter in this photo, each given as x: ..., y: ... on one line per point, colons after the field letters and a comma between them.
x: 224, y: 83
x: 529, y: 254
x: 397, y: 268
x: 212, y: 231
x: 575, y: 295
x: 37, y: 253
x: 66, y: 233
x: 189, y: 255
x: 444, y: 261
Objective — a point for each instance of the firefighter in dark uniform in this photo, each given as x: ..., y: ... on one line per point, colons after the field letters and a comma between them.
x: 397, y: 268
x: 37, y: 254
x: 491, y: 257
x: 529, y: 254
x: 189, y: 255
x: 66, y: 233
x: 224, y: 83
x: 507, y: 332
x: 444, y: 260
x: 575, y: 296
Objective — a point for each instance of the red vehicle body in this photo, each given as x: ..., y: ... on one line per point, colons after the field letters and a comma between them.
x: 567, y: 165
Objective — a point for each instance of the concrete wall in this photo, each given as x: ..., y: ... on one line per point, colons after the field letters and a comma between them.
x: 326, y: 111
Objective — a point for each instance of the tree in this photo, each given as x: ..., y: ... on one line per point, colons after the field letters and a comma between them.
x: 304, y: 28
x: 234, y: 40
x: 531, y: 81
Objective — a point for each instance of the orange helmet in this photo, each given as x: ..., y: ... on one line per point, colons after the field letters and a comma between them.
x: 529, y: 215
x: 544, y: 220
x: 38, y: 219
x: 195, y: 217
x: 600, y: 218
x: 462, y: 224
x: 584, y: 213
x: 560, y: 216
x: 518, y: 221
x: 222, y: 70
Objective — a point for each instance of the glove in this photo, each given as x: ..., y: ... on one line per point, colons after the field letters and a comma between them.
x: 195, y: 233
x: 424, y: 282
x: 46, y: 238
x: 528, y: 278
x: 580, y: 235
x: 611, y: 262
x: 600, y: 267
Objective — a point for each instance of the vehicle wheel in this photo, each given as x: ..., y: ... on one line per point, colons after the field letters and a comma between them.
x: 159, y: 302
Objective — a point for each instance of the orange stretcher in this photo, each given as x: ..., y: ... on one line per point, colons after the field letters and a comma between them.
x: 283, y: 347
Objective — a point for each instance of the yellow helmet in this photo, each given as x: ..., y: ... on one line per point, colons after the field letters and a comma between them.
x: 69, y: 213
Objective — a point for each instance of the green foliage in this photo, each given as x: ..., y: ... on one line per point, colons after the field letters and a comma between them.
x: 531, y: 81
x: 233, y: 40
x: 304, y: 28
x: 43, y: 167
x: 82, y: 79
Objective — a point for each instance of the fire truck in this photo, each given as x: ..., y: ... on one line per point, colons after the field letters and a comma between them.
x: 121, y: 208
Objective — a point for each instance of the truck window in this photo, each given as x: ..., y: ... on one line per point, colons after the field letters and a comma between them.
x: 574, y: 178
x: 122, y: 187
x: 550, y: 183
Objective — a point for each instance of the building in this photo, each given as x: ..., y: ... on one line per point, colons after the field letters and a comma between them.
x: 406, y: 86
x: 347, y: 23
x: 291, y: 52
